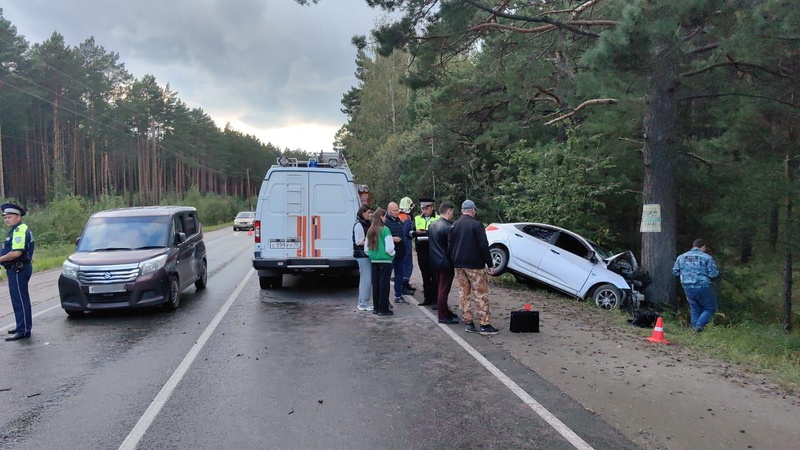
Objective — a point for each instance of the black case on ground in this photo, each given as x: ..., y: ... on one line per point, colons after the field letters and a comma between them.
x: 524, y: 321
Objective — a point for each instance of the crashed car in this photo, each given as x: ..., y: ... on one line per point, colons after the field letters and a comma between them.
x: 566, y: 262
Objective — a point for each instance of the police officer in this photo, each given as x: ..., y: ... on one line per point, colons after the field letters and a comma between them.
x: 16, y: 257
x: 420, y: 233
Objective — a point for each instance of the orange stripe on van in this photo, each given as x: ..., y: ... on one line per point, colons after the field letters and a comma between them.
x: 304, y: 236
x: 299, y: 233
x: 317, y: 227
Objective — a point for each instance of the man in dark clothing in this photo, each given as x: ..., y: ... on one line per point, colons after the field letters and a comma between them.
x: 440, y: 261
x: 420, y: 233
x: 469, y: 251
x: 395, y: 225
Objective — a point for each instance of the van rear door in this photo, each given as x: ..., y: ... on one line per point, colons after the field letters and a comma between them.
x: 307, y: 214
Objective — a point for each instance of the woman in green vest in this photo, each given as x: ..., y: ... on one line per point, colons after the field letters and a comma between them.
x: 380, y: 248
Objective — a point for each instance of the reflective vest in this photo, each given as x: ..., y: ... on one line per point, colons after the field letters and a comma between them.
x: 422, y: 223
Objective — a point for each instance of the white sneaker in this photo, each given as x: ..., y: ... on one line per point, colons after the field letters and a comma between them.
x: 365, y: 308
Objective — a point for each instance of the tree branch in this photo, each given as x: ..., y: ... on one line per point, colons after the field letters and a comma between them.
x: 710, y: 164
x: 704, y: 48
x: 596, y: 101
x: 731, y: 63
x: 543, y: 19
x: 762, y: 97
x: 542, y: 28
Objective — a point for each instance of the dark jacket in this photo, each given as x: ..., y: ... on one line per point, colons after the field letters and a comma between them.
x: 467, y: 244
x: 438, y: 232
x: 395, y: 225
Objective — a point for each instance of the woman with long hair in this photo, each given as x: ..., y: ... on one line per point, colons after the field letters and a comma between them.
x: 360, y: 227
x: 380, y: 248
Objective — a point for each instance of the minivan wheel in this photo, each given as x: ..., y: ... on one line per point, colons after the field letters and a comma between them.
x: 202, y: 280
x: 607, y: 296
x: 74, y: 313
x: 174, y: 295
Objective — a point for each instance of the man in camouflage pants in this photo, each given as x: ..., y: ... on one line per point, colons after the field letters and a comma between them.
x: 469, y: 252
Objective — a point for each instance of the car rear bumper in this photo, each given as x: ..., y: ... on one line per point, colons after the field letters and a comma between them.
x: 300, y: 265
x: 146, y: 290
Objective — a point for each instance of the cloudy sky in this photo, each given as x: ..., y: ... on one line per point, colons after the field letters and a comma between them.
x: 272, y: 68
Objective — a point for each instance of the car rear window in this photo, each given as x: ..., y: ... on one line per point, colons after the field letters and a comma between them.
x: 124, y: 233
x: 245, y: 215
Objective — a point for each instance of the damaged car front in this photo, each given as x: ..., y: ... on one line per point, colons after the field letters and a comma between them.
x: 565, y: 261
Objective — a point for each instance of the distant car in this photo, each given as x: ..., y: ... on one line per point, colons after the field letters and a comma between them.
x: 245, y: 220
x: 565, y: 261
x: 134, y: 257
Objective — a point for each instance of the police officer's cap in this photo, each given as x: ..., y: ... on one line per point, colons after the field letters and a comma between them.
x: 425, y: 201
x: 10, y: 208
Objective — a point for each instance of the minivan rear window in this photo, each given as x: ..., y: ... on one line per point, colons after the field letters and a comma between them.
x: 125, y: 233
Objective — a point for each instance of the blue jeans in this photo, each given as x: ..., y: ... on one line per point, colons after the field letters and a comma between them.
x: 702, y: 305
x: 397, y: 268
x: 364, y: 281
x: 408, y: 265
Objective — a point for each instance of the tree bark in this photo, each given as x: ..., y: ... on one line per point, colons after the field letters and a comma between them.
x: 788, y: 254
x: 658, y: 249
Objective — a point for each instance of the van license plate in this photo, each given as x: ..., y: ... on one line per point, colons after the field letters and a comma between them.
x: 284, y: 245
x: 106, y: 288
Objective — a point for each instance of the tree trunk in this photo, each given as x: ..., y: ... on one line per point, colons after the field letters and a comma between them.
x: 2, y: 181
x: 746, y: 250
x: 658, y: 249
x: 787, y: 266
x: 773, y: 226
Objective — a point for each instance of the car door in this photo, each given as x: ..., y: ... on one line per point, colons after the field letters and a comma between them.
x: 184, y: 265
x: 566, y: 263
x: 528, y: 246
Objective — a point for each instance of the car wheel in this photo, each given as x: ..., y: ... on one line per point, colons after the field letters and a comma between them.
x: 607, y: 296
x: 173, y: 295
x: 499, y: 260
x: 74, y: 313
x: 202, y: 280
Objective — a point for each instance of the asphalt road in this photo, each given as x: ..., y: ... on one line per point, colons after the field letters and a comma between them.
x: 297, y: 368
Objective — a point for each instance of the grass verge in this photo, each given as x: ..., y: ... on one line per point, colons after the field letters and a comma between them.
x: 764, y: 349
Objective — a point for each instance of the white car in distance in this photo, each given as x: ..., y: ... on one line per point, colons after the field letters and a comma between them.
x: 564, y: 261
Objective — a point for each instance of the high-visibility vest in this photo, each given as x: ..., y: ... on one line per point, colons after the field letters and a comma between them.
x: 422, y: 223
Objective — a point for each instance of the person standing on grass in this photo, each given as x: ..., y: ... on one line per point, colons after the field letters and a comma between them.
x: 380, y: 248
x: 468, y: 248
x: 697, y: 271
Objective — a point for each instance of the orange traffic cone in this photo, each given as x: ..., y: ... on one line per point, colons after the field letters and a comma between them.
x: 250, y: 232
x: 658, y: 333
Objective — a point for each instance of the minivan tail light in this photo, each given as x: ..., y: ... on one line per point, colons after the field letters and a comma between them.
x: 492, y: 227
x: 257, y: 231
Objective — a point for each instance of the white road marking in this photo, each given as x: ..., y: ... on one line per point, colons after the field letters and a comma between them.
x: 554, y: 422
x: 152, y: 411
x: 44, y: 311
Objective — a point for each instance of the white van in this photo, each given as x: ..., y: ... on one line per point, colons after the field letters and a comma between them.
x: 304, y: 219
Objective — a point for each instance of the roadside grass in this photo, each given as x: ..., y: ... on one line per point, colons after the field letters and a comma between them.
x: 758, y: 348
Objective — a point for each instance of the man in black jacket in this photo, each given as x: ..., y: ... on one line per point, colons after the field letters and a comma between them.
x: 469, y: 252
x: 440, y: 261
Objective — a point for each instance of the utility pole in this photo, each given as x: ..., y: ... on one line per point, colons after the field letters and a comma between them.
x: 2, y: 181
x: 249, y: 195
